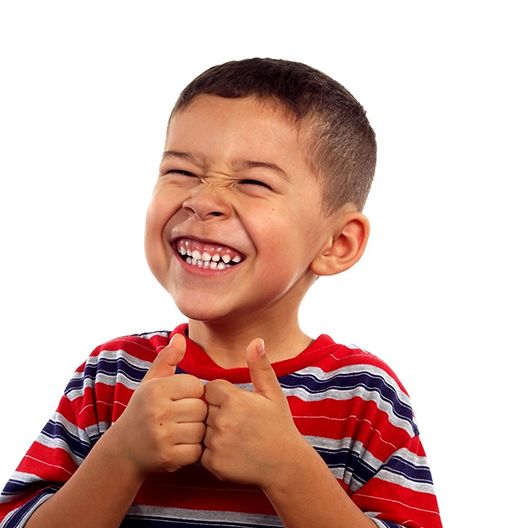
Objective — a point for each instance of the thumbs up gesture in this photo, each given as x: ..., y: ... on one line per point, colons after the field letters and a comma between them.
x: 163, y: 425
x: 250, y: 436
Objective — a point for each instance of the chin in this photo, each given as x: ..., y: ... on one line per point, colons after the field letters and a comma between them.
x: 202, y: 313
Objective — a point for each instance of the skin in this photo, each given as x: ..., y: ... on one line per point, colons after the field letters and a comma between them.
x: 234, y: 172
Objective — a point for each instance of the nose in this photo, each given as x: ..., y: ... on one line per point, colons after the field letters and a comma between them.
x: 206, y: 202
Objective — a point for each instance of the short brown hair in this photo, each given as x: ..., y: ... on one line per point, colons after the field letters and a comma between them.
x: 342, y: 143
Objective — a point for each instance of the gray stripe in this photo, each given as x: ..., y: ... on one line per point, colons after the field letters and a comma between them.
x: 22, y: 522
x: 251, y: 519
x: 413, y: 458
x: 58, y: 442
x: 344, y: 395
x: 357, y: 369
x: 108, y: 379
x: 396, y: 478
x: 20, y: 476
x: 388, y: 475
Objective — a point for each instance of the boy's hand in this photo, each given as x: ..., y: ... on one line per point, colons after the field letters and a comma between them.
x: 251, y: 437
x: 163, y: 425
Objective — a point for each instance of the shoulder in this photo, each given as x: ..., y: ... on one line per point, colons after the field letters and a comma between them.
x: 135, y: 349
x: 350, y: 373
x: 126, y: 357
x: 143, y: 346
x: 334, y: 360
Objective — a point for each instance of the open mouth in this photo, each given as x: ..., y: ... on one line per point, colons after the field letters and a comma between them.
x: 206, y: 255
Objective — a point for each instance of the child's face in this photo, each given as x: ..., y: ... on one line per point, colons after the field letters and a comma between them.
x: 234, y: 185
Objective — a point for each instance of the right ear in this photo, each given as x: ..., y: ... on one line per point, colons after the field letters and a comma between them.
x: 346, y: 245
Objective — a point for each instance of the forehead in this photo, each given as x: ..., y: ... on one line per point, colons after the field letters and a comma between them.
x: 246, y: 125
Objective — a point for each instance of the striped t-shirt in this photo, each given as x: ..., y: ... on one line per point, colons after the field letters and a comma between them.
x: 346, y: 402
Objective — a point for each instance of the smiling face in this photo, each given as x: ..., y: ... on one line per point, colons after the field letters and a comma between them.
x: 235, y: 219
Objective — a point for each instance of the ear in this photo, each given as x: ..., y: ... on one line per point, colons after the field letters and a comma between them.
x: 346, y: 245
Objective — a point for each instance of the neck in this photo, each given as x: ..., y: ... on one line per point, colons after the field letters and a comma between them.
x: 226, y: 343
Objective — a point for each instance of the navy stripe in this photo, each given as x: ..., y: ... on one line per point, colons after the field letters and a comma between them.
x: 349, y: 381
x: 14, y: 487
x: 403, y: 467
x: 109, y: 367
x: 28, y: 507
x: 348, y: 462
x: 389, y: 524
x: 56, y: 430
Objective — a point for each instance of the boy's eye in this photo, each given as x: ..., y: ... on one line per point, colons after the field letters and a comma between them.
x: 180, y: 171
x: 255, y: 182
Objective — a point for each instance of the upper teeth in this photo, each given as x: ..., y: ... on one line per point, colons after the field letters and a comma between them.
x: 206, y: 257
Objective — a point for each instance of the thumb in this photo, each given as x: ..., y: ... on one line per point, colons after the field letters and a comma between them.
x: 262, y: 374
x: 168, y: 358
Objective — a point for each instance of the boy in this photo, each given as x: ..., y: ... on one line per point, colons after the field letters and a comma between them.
x: 238, y: 418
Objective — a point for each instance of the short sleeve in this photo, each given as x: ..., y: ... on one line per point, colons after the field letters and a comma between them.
x: 54, y: 456
x: 95, y: 397
x: 401, y: 492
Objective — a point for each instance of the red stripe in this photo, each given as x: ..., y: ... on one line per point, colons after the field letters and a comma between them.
x: 50, y: 463
x: 195, y: 488
x: 398, y: 504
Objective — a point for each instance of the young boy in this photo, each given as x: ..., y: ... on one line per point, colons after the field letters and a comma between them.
x: 238, y: 418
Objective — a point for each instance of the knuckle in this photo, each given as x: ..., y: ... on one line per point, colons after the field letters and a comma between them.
x: 201, y: 410
x: 200, y: 431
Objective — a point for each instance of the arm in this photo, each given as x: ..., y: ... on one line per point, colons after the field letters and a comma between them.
x: 160, y: 430
x: 99, y: 493
x: 251, y: 438
x: 307, y: 494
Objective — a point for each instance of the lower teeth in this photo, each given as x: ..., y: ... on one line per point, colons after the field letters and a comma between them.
x: 206, y: 263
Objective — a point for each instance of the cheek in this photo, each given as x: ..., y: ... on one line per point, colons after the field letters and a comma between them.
x: 154, y: 250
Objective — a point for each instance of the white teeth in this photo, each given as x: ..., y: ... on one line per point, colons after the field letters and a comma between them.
x: 218, y: 260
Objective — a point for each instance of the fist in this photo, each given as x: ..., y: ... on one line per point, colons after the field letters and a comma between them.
x: 163, y: 426
x: 251, y: 436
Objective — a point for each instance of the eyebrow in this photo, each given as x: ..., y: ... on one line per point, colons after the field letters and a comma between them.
x: 238, y: 165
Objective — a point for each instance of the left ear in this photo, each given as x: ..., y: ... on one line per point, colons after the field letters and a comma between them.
x: 345, y: 247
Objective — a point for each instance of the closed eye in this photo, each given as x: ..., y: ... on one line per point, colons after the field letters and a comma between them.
x: 180, y: 171
x: 255, y: 182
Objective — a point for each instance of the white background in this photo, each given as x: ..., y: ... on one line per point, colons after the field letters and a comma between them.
x: 441, y: 292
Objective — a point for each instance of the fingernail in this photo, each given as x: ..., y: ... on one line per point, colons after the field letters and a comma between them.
x: 260, y: 347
